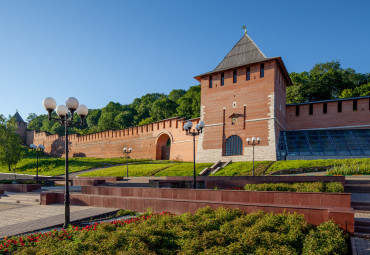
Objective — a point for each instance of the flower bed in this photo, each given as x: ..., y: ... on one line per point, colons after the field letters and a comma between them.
x: 221, y: 231
x: 331, y: 187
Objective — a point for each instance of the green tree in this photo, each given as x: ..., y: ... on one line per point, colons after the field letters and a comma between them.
x: 10, y: 144
x: 324, y: 81
x: 176, y: 94
x: 124, y: 119
x: 163, y: 108
x: 189, y: 104
x: 146, y: 121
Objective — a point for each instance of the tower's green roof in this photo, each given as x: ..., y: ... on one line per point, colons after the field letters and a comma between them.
x: 18, y: 117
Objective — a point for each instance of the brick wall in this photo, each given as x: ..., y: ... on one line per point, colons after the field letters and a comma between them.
x: 348, y: 118
x: 145, y: 140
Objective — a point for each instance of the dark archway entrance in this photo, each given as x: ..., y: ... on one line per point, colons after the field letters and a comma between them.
x: 163, y: 147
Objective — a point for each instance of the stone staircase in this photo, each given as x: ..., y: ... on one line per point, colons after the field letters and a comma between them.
x: 360, y: 189
x: 215, y: 168
x: 357, y: 186
x: 30, y: 198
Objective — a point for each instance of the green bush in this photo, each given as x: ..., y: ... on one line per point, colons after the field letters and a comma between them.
x: 221, y: 231
x: 350, y: 169
x: 327, y: 239
x: 333, y: 187
x: 121, y: 213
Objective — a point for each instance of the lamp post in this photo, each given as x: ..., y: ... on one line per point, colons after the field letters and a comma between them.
x: 38, y: 150
x: 198, y: 130
x: 126, y: 152
x: 253, y: 142
x: 65, y: 119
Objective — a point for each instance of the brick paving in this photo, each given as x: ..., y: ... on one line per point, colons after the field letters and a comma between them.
x: 15, y: 220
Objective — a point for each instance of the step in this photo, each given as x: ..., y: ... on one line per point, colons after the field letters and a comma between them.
x: 362, y: 229
x: 349, y: 182
x: 362, y: 223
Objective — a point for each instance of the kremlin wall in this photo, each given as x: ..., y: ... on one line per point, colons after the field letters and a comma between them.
x: 243, y: 97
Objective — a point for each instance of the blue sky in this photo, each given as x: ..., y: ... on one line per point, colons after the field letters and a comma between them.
x: 101, y: 51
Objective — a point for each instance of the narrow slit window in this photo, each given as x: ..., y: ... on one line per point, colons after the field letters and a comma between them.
x: 210, y: 81
x: 234, y: 76
x: 262, y: 70
x: 310, y: 111
x: 297, y: 110
x: 222, y: 79
x: 355, y: 104
x: 340, y: 106
x: 325, y: 108
x: 248, y: 73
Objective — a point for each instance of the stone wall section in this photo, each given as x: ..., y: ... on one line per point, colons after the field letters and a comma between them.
x: 145, y: 140
x: 347, y: 119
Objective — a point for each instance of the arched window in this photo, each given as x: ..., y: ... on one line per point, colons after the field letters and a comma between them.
x: 233, y: 146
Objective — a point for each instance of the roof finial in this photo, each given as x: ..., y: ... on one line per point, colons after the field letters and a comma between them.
x: 245, y: 29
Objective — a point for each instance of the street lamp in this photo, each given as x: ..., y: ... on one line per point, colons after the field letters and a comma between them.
x: 38, y: 150
x: 198, y: 130
x: 253, y: 143
x: 65, y: 119
x: 126, y: 152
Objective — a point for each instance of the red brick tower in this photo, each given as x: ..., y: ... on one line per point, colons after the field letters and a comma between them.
x: 244, y: 96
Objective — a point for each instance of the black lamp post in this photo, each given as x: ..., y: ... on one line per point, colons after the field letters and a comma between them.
x: 198, y: 130
x: 38, y: 150
x: 126, y: 152
x: 253, y: 143
x: 65, y: 119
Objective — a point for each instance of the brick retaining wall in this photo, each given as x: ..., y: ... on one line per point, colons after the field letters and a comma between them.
x: 317, y: 207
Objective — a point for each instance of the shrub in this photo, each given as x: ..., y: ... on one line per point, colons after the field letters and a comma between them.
x: 327, y: 239
x: 208, y: 231
x: 121, y: 213
x: 333, y: 187
x: 350, y: 169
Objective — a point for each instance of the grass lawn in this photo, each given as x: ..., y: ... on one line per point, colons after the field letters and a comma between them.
x: 151, y: 169
x: 55, y: 166
x: 183, y: 169
x: 243, y: 168
x: 297, y: 164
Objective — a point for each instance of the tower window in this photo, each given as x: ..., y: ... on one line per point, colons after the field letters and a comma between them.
x: 222, y: 79
x: 262, y: 70
x: 310, y: 109
x: 234, y: 76
x: 234, y: 146
x: 355, y: 104
x: 339, y: 106
x: 248, y: 73
x: 297, y: 110
x: 210, y: 81
x: 325, y: 108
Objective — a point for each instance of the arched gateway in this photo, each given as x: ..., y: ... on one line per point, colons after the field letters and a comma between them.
x: 163, y: 147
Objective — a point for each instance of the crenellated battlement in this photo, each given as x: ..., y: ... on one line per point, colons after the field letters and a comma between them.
x: 109, y: 143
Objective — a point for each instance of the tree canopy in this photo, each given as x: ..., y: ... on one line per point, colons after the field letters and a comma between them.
x: 144, y: 110
x: 324, y: 81
x: 10, y: 143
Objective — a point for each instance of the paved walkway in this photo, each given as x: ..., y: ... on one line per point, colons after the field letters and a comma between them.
x: 16, y: 219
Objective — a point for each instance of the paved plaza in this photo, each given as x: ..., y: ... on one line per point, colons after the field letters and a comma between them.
x: 17, y: 218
